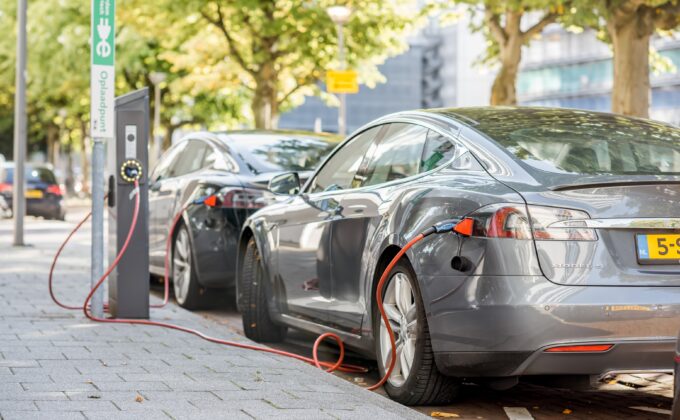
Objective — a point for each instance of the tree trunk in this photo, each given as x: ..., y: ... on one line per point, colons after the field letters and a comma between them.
x: 167, y: 138
x: 504, y: 90
x: 265, y: 104
x: 52, y: 139
x: 630, y: 34
x: 69, y: 182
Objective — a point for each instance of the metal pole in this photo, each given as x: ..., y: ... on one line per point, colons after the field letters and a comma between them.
x: 156, y: 155
x: 97, y: 268
x: 342, y: 112
x: 19, y: 198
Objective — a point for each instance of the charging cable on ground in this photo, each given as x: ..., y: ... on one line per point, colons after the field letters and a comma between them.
x: 443, y: 227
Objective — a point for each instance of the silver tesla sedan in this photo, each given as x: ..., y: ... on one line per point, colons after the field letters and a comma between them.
x: 569, y: 263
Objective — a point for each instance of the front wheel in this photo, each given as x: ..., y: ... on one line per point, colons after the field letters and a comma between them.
x: 257, y: 324
x: 415, y: 379
x: 188, y: 292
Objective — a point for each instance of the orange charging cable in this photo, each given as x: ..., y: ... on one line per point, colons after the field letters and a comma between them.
x: 330, y: 367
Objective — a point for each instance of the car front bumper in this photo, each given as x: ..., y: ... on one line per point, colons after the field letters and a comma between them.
x: 501, y: 326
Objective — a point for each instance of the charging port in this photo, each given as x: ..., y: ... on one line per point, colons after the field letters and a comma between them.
x: 131, y: 171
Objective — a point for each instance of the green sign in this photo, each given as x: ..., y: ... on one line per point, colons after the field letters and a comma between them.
x: 103, y: 74
x: 103, y: 32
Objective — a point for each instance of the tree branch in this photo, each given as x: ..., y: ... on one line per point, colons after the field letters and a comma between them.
x: 298, y: 85
x: 546, y: 20
x: 493, y: 20
x: 667, y: 17
x: 219, y: 23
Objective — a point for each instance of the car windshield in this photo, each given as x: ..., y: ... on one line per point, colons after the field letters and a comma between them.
x: 33, y: 175
x: 585, y: 143
x: 274, y: 153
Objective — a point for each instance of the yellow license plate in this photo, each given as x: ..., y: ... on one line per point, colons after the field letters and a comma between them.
x: 34, y: 194
x: 659, y: 247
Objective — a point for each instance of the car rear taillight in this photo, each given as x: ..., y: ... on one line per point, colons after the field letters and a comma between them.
x: 5, y: 187
x: 542, y: 219
x: 54, y: 189
x: 237, y: 198
x: 501, y: 221
x: 513, y: 221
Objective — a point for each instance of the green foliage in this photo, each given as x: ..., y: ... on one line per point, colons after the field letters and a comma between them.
x: 276, y: 49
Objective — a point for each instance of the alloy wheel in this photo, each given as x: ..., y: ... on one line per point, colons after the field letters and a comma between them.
x: 181, y: 266
x: 400, y: 308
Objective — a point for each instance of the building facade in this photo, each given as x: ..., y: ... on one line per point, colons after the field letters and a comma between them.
x: 559, y: 69
x: 574, y: 70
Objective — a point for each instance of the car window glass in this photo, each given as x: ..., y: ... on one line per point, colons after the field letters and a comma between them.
x: 340, y: 170
x: 190, y: 160
x: 397, y: 155
x: 32, y: 175
x: 216, y: 160
x: 437, y: 151
x: 166, y: 162
x: 581, y: 143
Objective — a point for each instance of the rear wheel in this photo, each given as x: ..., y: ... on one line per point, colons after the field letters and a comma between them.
x: 415, y: 379
x: 188, y: 292
x: 257, y: 324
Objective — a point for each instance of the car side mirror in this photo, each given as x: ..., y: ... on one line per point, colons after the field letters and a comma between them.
x: 285, y: 184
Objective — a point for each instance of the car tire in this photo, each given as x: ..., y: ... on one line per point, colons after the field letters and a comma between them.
x: 422, y: 384
x: 257, y: 324
x: 188, y: 292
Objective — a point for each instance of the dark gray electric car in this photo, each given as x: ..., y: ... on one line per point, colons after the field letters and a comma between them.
x: 572, y: 266
x: 236, y: 166
x: 675, y: 415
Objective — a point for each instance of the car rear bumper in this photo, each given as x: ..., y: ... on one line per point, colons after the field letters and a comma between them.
x: 501, y: 325
x: 48, y: 206
x: 632, y: 356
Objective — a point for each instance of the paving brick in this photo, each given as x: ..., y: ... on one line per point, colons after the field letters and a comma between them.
x: 78, y: 405
x: 133, y: 415
x: 54, y: 364
x: 62, y: 386
x: 213, y: 414
x: 21, y: 405
x: 132, y: 386
x: 30, y: 415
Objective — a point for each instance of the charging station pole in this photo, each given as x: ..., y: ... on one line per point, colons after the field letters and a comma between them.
x: 102, y: 93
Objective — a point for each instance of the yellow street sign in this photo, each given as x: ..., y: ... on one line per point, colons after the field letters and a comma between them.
x: 342, y: 81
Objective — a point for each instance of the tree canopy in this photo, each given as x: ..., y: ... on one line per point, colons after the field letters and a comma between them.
x: 278, y: 50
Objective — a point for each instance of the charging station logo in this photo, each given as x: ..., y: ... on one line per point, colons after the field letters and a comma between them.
x: 104, y: 30
x: 102, y: 74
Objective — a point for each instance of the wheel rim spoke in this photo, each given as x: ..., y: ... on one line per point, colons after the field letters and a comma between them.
x: 403, y: 294
x: 405, y: 361
x: 401, y: 310
x: 182, y: 266
x: 392, y: 312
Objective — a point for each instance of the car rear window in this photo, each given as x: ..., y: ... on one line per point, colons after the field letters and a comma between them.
x: 33, y: 175
x: 272, y: 153
x: 586, y: 143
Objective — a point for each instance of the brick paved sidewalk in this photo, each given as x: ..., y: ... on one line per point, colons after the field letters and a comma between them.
x: 54, y: 364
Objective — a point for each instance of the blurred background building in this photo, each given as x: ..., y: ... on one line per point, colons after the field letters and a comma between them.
x: 564, y: 69
x: 561, y: 69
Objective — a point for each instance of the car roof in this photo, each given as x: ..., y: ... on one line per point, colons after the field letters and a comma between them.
x: 475, y: 116
x: 230, y: 136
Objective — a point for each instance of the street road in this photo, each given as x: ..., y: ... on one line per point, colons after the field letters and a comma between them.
x: 626, y: 396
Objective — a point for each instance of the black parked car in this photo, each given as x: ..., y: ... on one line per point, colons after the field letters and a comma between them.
x: 44, y: 197
x: 237, y: 166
